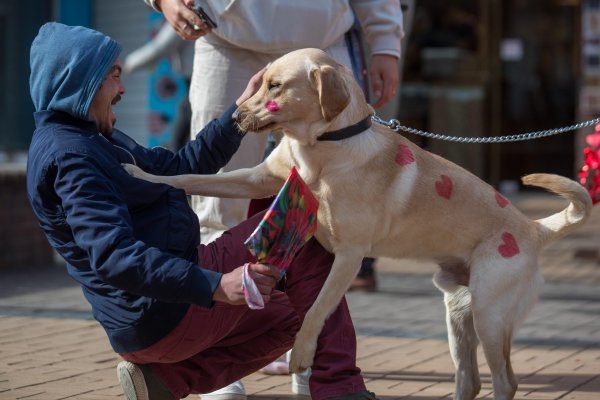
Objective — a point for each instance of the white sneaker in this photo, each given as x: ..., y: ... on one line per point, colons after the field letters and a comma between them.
x: 233, y: 391
x: 139, y: 383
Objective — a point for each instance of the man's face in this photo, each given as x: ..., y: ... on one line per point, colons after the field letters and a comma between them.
x: 108, y: 95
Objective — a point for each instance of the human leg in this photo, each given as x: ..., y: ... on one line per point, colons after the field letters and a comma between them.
x: 213, y: 347
x: 221, y: 72
x: 239, y: 341
x: 365, y: 279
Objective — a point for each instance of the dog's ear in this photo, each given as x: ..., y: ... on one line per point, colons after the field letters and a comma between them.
x: 333, y: 94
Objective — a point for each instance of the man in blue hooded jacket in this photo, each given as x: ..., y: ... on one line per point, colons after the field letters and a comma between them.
x: 172, y: 308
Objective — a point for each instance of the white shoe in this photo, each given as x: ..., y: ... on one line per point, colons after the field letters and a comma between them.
x: 139, y: 383
x: 233, y: 391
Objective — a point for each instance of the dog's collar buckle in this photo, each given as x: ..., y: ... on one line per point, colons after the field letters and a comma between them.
x: 347, y: 132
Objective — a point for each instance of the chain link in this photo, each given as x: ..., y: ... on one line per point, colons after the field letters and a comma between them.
x: 394, y: 124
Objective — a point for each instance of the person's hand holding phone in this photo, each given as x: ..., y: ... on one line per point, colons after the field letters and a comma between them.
x: 204, y: 16
x: 184, y: 18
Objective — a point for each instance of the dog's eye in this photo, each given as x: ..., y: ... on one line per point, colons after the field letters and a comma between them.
x: 274, y: 85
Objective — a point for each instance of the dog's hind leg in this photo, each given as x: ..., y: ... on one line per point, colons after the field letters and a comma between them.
x: 453, y: 281
x: 503, y: 292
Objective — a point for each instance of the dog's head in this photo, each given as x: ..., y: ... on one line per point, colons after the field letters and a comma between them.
x: 303, y: 94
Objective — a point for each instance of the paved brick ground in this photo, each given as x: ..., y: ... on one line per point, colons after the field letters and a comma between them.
x: 51, y: 349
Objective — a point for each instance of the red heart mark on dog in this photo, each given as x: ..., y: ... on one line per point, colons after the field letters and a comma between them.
x: 509, y: 247
x: 443, y: 186
x: 404, y: 156
x: 272, y: 106
x: 501, y: 200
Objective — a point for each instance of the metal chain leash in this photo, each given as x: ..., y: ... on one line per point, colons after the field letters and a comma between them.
x: 394, y: 124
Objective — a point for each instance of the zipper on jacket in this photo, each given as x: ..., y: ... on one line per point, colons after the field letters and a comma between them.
x: 119, y: 147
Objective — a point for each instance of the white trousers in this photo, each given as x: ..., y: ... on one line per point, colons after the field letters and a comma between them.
x: 221, y: 73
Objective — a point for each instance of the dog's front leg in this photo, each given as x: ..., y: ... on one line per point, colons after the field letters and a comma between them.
x: 255, y: 182
x: 344, y: 269
x: 139, y: 173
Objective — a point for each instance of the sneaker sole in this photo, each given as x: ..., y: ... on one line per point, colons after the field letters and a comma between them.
x: 224, y: 396
x: 233, y: 391
x: 132, y: 381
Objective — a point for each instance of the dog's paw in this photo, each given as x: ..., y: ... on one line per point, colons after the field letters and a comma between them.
x: 302, y: 357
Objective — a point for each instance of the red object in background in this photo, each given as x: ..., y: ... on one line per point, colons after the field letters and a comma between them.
x: 589, y: 175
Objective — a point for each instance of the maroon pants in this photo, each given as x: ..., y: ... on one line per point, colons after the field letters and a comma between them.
x: 211, y: 348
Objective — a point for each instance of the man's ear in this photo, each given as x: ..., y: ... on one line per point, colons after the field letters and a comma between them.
x: 333, y: 94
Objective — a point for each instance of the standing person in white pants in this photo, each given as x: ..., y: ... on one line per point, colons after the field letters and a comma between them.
x: 252, y: 33
x: 249, y: 35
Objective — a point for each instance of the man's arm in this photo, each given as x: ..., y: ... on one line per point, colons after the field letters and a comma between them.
x: 102, y: 228
x: 381, y: 21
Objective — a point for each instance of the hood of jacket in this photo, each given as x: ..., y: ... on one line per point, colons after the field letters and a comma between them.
x: 68, y: 65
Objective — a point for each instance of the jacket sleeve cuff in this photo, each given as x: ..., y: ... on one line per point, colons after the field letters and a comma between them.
x: 230, y: 127
x: 202, y: 287
x: 381, y: 43
x: 393, y: 53
x: 226, y: 120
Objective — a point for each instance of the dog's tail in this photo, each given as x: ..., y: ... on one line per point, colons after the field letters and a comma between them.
x: 575, y: 214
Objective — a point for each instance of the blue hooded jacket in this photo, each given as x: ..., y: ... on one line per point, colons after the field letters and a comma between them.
x: 131, y: 244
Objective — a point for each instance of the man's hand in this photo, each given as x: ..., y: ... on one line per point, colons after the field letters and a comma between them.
x: 252, y: 87
x: 385, y: 76
x: 183, y: 20
x: 230, y: 288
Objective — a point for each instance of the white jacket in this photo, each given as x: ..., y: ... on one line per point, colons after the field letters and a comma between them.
x: 279, y: 26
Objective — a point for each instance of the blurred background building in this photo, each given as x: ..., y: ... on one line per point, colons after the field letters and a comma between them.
x: 489, y: 68
x: 472, y: 68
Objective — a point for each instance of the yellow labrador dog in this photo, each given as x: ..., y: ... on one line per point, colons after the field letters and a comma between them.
x: 382, y: 196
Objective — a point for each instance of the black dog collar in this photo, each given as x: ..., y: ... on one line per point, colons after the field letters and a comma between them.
x: 347, y: 132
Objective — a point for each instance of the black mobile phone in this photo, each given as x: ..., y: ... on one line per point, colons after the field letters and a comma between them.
x: 204, y: 16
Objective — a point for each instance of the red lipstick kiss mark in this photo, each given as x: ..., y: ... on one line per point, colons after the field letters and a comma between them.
x: 404, y: 156
x: 509, y: 247
x: 501, y: 200
x: 443, y: 187
x: 272, y: 106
